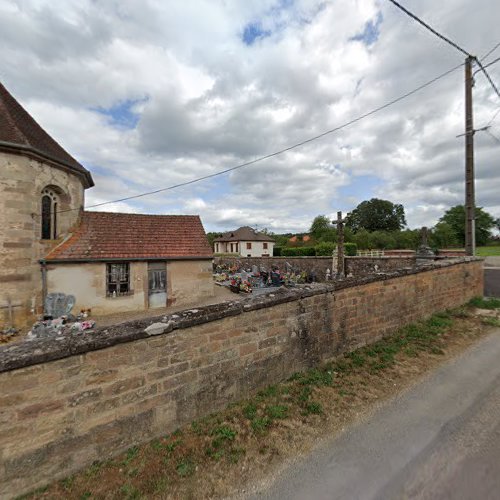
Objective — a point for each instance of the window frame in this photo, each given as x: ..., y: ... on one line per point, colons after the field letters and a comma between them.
x: 118, y: 282
x: 249, y: 245
x: 48, y: 215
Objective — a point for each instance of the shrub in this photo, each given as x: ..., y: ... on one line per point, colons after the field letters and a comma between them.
x: 298, y: 252
x: 324, y: 248
x: 351, y: 249
x: 277, y: 252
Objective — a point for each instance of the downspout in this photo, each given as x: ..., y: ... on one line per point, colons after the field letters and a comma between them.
x: 43, y: 267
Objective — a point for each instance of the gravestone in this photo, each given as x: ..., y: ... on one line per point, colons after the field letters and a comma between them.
x: 424, y: 251
x: 58, y: 304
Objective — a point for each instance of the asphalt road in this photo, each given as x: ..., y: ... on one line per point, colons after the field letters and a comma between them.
x: 439, y: 440
x: 492, y: 282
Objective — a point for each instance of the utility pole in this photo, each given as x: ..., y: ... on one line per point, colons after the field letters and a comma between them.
x: 470, y: 209
x: 340, y: 245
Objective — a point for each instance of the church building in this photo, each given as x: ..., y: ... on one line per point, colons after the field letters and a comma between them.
x: 110, y: 262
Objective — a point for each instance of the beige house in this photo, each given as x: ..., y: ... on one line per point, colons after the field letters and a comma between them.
x: 119, y: 262
x: 246, y: 242
x: 49, y: 244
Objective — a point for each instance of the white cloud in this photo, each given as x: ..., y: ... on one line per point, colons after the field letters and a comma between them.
x: 206, y: 101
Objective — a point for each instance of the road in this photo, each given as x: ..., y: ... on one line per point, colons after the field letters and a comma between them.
x: 438, y: 440
x: 492, y: 276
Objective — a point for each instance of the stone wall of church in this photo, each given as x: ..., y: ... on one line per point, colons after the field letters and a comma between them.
x: 22, y: 180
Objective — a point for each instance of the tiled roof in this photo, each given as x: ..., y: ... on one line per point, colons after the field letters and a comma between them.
x: 107, y: 236
x: 20, y: 133
x: 244, y: 233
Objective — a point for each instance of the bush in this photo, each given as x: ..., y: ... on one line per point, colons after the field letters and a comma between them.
x: 298, y: 252
x: 325, y: 248
x: 277, y: 251
x: 350, y: 249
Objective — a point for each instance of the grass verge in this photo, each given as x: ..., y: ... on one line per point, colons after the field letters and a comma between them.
x: 219, y: 454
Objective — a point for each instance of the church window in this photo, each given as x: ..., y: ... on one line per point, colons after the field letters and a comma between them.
x: 49, y: 215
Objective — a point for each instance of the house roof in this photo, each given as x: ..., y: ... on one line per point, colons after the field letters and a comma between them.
x: 117, y: 236
x: 245, y: 233
x: 21, y: 134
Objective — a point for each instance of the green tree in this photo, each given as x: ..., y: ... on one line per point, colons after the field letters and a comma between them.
x: 323, y: 230
x: 211, y: 237
x: 455, y: 218
x: 443, y: 236
x: 377, y: 215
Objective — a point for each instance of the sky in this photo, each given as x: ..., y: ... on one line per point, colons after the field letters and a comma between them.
x: 155, y: 93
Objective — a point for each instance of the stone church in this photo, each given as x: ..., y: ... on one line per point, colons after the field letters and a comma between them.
x: 48, y: 243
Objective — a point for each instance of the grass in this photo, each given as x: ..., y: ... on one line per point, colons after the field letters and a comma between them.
x: 282, y: 420
x: 488, y: 251
x: 482, y: 303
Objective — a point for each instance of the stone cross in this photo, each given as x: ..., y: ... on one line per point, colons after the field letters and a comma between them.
x: 425, y: 236
x: 423, y: 250
x: 340, y: 245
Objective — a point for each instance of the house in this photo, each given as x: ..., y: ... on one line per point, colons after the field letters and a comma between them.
x: 48, y: 243
x: 116, y: 262
x: 246, y: 242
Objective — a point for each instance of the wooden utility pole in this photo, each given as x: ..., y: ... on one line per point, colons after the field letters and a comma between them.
x: 340, y: 245
x: 470, y: 209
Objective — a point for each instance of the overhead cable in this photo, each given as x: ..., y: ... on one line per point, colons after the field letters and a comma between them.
x: 284, y: 150
x: 486, y: 74
x: 490, y: 51
x: 430, y: 28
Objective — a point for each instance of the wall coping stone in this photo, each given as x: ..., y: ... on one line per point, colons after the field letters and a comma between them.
x: 27, y: 353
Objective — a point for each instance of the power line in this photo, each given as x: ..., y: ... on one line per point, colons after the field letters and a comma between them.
x: 493, y: 118
x: 494, y: 136
x: 490, y: 51
x: 430, y: 28
x: 447, y: 40
x: 281, y: 151
x: 486, y: 74
x: 489, y: 64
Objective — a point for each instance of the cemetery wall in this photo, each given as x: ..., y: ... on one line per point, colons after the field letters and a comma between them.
x: 358, y: 266
x: 68, y: 402
x: 362, y: 266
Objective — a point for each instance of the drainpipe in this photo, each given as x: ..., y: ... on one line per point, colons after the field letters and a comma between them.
x: 43, y: 266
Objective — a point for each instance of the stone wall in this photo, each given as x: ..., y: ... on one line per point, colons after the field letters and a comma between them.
x: 22, y: 180
x: 67, y: 402
x: 362, y: 266
x: 319, y: 265
x: 358, y: 266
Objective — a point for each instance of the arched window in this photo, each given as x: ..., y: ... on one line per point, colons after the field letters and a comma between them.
x: 49, y: 214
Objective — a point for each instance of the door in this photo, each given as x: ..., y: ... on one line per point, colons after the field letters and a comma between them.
x: 157, y: 284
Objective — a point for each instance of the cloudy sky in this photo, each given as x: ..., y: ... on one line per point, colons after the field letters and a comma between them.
x: 151, y: 93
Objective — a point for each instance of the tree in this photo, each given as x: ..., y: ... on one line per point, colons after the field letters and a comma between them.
x: 455, y: 217
x: 211, y: 237
x: 377, y: 215
x: 322, y: 229
x: 443, y: 236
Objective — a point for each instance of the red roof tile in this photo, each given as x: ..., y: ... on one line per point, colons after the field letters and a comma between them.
x: 107, y: 236
x: 19, y: 132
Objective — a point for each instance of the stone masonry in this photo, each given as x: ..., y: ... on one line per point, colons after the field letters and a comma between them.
x: 22, y: 180
x: 65, y: 403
